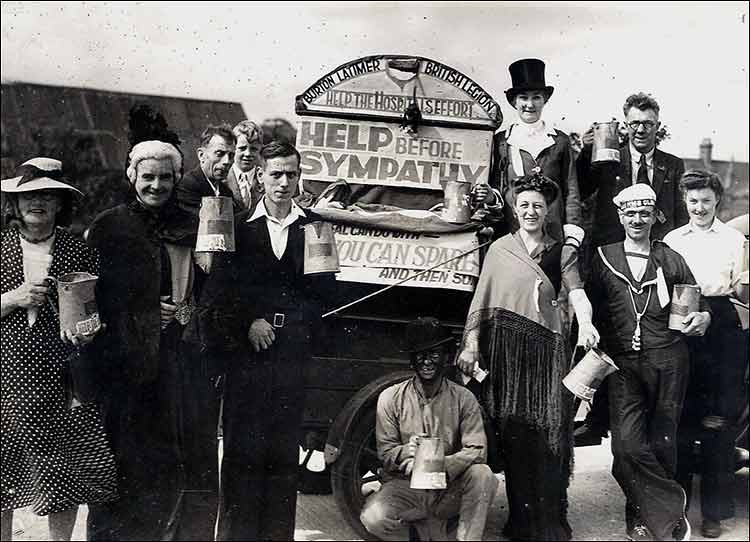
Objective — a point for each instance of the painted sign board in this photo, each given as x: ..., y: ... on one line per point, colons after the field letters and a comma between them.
x: 375, y: 256
x: 378, y: 153
x: 385, y: 85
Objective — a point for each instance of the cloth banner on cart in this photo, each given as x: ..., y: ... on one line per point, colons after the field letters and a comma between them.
x: 375, y: 256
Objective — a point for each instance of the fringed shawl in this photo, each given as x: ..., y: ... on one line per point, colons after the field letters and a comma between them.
x: 514, y: 320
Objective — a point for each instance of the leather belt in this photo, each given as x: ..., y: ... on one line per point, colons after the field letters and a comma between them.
x: 283, y: 319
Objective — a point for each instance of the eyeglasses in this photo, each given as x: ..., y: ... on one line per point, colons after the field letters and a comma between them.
x: 647, y: 124
x: 424, y: 357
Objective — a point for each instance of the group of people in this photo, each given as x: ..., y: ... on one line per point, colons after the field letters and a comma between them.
x: 655, y: 227
x: 124, y: 419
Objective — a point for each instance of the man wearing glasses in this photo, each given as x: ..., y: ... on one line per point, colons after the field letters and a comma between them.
x: 429, y: 405
x: 634, y: 280
x: 640, y: 163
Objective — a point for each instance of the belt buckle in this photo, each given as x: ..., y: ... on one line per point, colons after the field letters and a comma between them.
x: 279, y: 319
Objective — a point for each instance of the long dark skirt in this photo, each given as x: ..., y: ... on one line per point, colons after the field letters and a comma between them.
x: 536, y: 483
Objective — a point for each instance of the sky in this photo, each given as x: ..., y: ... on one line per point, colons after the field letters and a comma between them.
x: 691, y: 56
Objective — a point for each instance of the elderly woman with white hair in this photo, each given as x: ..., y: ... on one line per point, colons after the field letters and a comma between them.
x: 145, y: 296
x: 54, y: 452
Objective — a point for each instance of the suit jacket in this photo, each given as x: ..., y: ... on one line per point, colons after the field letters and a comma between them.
x: 192, y: 187
x: 611, y: 177
x: 255, y: 190
x: 252, y: 283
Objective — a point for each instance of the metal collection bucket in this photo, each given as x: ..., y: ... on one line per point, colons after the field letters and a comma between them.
x: 584, y: 379
x: 78, y: 310
x: 457, y: 202
x: 321, y: 255
x: 429, y: 465
x: 685, y: 299
x: 606, y: 142
x: 216, y: 226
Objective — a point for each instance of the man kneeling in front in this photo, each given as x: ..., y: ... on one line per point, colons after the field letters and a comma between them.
x: 429, y: 405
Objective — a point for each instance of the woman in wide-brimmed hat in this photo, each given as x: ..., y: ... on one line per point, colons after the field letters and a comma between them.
x: 54, y: 455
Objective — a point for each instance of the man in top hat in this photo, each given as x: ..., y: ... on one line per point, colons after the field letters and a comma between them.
x: 530, y: 143
x: 429, y: 405
x: 633, y: 281
x: 242, y: 178
x: 640, y: 162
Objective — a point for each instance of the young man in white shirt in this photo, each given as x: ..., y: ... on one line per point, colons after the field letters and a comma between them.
x: 261, y: 322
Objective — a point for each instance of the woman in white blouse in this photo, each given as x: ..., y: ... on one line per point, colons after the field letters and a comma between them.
x: 716, y: 395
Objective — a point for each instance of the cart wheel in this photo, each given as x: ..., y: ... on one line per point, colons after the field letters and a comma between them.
x: 356, y: 466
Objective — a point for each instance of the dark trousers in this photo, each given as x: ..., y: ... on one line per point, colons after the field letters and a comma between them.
x: 263, y: 406
x: 717, y: 388
x: 646, y: 397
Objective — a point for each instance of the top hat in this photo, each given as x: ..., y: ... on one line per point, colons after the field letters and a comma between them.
x: 425, y: 333
x: 38, y: 174
x: 527, y: 74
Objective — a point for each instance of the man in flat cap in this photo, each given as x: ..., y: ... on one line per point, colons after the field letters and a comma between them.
x: 634, y: 279
x: 429, y: 405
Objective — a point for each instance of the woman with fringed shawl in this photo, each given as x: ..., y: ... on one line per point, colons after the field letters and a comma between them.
x: 515, y: 331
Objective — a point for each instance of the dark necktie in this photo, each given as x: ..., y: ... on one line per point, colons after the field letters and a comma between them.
x: 642, y: 171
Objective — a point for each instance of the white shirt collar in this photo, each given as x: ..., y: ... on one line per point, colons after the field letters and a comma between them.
x: 715, y: 227
x: 237, y: 171
x: 635, y: 156
x: 260, y: 210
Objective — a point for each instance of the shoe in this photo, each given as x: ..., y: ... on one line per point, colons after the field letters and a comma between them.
x: 639, y: 533
x: 587, y: 435
x: 682, y: 530
x: 741, y: 458
x: 711, y: 529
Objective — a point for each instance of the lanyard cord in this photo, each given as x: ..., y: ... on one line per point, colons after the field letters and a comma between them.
x: 638, y: 315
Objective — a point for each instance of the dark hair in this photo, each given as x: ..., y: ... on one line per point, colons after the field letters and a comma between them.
x: 222, y: 130
x: 63, y: 218
x: 278, y: 149
x: 538, y: 183
x: 640, y: 101
x: 695, y: 179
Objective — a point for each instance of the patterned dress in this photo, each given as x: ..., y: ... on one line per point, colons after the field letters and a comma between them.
x: 53, y: 457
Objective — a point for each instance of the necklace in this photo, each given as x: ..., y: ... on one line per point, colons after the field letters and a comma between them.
x: 37, y: 241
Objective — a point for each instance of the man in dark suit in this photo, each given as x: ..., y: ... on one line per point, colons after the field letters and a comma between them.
x: 640, y: 162
x: 216, y: 155
x: 242, y: 179
x: 260, y: 316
